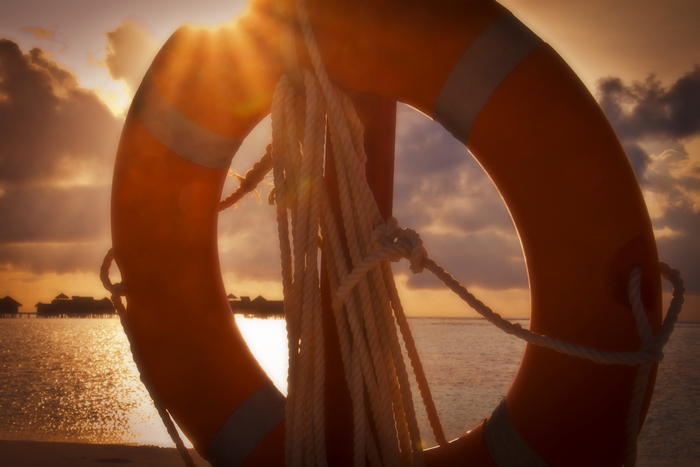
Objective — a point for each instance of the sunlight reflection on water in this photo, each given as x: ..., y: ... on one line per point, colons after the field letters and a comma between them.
x: 74, y: 380
x: 267, y: 339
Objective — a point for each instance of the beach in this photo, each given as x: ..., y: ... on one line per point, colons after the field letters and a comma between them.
x: 50, y: 454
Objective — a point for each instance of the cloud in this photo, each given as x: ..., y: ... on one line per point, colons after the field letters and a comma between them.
x: 248, y: 239
x: 56, y: 158
x: 660, y: 129
x: 36, y: 259
x: 51, y: 129
x: 130, y: 51
x: 672, y: 189
x: 442, y: 192
x: 38, y: 214
x: 39, y: 33
x: 647, y: 111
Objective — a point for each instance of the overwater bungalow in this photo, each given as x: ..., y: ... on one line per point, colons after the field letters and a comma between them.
x: 9, y: 307
x: 259, y: 307
x: 75, y: 307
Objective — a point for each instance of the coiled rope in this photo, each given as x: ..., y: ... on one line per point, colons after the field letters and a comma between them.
x: 366, y: 324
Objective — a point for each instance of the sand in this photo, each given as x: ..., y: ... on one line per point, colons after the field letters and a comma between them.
x: 47, y: 454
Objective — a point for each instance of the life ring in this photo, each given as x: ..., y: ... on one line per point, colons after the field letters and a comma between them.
x: 505, y: 94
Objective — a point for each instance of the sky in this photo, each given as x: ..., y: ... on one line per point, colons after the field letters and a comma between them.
x: 69, y: 69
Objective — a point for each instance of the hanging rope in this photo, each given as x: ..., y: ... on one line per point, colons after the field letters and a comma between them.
x: 370, y: 347
x: 405, y: 243
x: 250, y: 181
x: 117, y: 291
x: 298, y: 141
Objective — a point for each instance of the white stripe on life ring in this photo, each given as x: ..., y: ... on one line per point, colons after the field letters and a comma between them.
x: 479, y: 72
x: 247, y: 427
x: 506, y: 447
x: 178, y: 133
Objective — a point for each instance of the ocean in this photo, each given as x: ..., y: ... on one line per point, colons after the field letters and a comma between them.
x: 74, y: 380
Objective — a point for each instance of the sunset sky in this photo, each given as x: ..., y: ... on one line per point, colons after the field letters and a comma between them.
x: 69, y: 69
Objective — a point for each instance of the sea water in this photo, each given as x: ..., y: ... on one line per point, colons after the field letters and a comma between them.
x: 74, y: 380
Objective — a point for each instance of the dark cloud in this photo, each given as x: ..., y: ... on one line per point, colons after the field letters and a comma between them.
x: 442, y: 192
x: 130, y: 50
x: 463, y: 200
x: 248, y: 240
x: 36, y: 214
x: 655, y: 124
x: 487, y: 259
x: 423, y: 147
x: 57, y: 147
x: 648, y: 111
x: 438, y: 182
x: 61, y: 258
x: 51, y: 129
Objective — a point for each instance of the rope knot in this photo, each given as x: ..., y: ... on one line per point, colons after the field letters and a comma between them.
x: 385, y: 233
x: 418, y: 253
x: 655, y: 354
x: 407, y: 241
x: 118, y: 289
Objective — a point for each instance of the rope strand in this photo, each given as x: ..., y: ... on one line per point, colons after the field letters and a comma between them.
x: 405, y: 243
x: 117, y: 291
x: 250, y: 181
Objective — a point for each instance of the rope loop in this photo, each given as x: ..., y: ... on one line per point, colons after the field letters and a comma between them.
x: 118, y: 289
x: 418, y: 253
x: 400, y: 243
x: 392, y: 242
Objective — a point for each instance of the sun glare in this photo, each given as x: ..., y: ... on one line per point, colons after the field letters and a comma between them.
x: 117, y: 101
x: 267, y: 339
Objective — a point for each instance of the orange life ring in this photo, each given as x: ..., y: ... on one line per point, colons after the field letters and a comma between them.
x: 509, y: 97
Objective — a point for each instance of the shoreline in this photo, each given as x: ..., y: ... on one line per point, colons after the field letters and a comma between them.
x: 66, y: 454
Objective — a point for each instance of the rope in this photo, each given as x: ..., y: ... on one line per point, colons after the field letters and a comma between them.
x: 405, y: 243
x: 370, y: 349
x: 117, y: 291
x: 367, y: 320
x: 250, y: 181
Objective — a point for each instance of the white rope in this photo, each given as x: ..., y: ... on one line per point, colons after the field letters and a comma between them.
x: 370, y: 348
x: 642, y: 375
x: 405, y: 243
x: 369, y: 343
